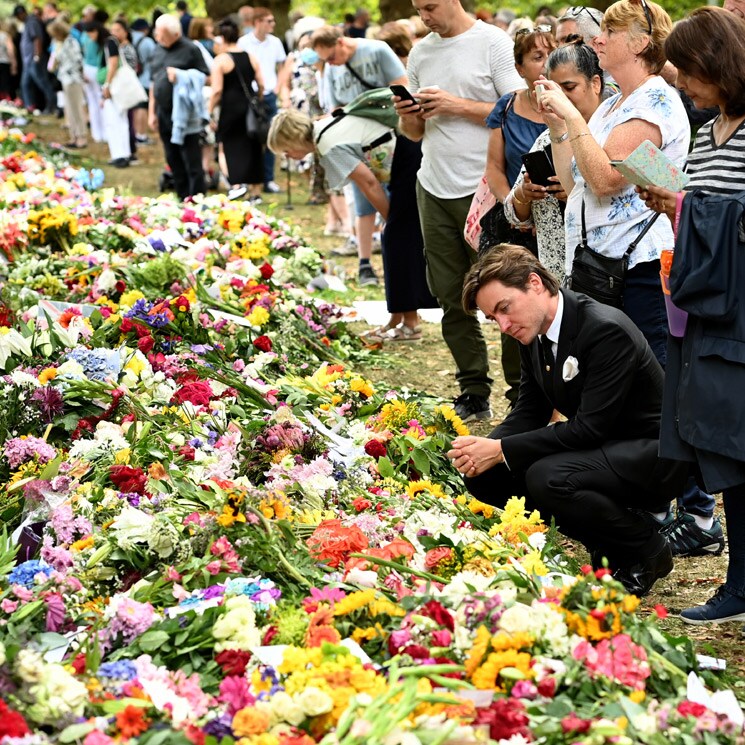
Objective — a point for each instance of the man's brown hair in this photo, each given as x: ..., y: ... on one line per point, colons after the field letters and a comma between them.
x: 326, y: 37
x: 506, y: 263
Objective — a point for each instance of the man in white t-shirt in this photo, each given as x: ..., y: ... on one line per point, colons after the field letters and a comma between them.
x: 457, y: 73
x: 353, y: 67
x: 270, y: 53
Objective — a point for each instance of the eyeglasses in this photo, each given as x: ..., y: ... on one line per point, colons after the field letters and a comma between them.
x: 577, y: 10
x: 647, y: 15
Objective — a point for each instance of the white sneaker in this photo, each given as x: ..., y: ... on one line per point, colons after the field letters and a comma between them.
x: 348, y: 248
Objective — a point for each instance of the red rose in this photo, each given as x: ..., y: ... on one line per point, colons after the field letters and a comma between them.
x: 128, y: 479
x: 12, y: 724
x: 126, y: 326
x: 187, y: 452
x: 78, y: 664
x: 375, y: 449
x: 120, y: 286
x: 661, y: 611
x: 438, y: 613
x: 573, y: 723
x: 145, y: 344
x: 691, y: 709
x: 547, y: 687
x: 360, y: 504
x: 600, y: 573
x: 266, y: 270
x: 269, y: 634
x: 263, y: 343
x: 505, y: 717
x: 233, y: 661
x: 198, y: 393
x: 141, y: 330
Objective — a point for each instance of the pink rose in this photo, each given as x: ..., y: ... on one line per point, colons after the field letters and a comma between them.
x: 9, y: 606
x: 214, y: 567
x: 435, y: 555
x: 442, y: 638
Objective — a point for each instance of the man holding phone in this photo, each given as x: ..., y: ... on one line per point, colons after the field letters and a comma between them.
x: 457, y: 72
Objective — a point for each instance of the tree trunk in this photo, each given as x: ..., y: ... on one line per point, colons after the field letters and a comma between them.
x: 219, y: 9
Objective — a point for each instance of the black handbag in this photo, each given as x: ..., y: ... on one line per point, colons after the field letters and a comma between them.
x: 257, y: 116
x: 598, y: 276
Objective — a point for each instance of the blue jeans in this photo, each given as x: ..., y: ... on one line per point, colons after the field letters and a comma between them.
x: 644, y: 304
x: 270, y: 101
x: 35, y: 73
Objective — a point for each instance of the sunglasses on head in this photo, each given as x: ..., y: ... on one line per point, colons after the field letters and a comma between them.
x: 544, y: 28
x: 647, y: 15
x: 577, y: 10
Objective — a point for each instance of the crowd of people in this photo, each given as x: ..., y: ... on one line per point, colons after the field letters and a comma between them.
x: 639, y: 419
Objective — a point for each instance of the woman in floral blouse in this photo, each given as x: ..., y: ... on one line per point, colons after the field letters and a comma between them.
x: 630, y: 48
x: 68, y: 67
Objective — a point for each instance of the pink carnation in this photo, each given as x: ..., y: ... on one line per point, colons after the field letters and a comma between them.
x: 617, y: 659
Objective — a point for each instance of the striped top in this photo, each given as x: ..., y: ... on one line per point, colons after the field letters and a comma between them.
x: 717, y: 169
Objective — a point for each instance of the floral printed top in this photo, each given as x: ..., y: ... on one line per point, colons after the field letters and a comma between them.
x: 547, y: 217
x: 613, y: 222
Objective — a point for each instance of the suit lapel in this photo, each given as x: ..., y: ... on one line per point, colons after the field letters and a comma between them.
x: 567, y: 335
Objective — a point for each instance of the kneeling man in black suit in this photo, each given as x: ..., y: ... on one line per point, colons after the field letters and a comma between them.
x: 598, y: 473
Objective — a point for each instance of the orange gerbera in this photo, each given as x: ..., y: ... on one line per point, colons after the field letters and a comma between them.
x: 132, y: 721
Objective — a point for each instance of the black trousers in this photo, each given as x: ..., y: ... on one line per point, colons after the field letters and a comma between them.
x: 588, y: 499
x: 185, y: 162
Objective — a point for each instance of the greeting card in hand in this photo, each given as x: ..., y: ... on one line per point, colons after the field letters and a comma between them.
x: 648, y: 165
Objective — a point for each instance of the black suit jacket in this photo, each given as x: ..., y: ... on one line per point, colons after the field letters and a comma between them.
x: 614, y: 401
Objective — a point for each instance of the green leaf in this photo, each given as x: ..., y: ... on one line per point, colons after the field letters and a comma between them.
x: 114, y: 707
x: 76, y: 732
x: 150, y: 641
x: 421, y: 462
x: 386, y: 468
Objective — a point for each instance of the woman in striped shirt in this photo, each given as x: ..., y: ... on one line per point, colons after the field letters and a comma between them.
x: 708, y: 49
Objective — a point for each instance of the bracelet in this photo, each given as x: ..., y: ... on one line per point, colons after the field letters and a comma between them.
x: 561, y: 138
x: 581, y: 134
x: 519, y: 201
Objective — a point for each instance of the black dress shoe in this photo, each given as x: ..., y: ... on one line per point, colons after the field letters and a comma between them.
x: 639, y: 578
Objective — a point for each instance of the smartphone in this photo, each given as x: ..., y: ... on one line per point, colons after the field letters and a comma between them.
x: 404, y: 94
x: 539, y: 92
x: 540, y: 167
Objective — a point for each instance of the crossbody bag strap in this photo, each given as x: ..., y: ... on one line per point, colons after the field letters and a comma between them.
x: 637, y: 240
x: 246, y: 92
x: 632, y: 245
x: 359, y: 77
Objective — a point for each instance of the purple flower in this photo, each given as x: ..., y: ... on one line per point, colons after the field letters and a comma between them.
x: 49, y: 402
x: 19, y: 450
x: 55, y: 611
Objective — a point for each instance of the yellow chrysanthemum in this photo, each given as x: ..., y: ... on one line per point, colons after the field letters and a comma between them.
x: 258, y: 316
x: 353, y: 602
x: 361, y: 386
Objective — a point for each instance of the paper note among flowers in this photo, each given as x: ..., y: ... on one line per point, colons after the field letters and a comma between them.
x: 648, y: 165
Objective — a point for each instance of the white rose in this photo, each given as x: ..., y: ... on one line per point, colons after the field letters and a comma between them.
x: 517, y: 618
x: 314, y: 702
x: 106, y: 280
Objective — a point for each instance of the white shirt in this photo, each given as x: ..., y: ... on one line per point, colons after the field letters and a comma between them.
x: 555, y: 327
x: 268, y: 53
x: 479, y: 65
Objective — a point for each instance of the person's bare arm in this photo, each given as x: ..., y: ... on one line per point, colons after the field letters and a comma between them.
x: 218, y: 77
x: 410, y: 118
x: 496, y: 166
x: 371, y: 188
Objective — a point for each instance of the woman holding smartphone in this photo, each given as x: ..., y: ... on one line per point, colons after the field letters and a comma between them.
x: 575, y: 68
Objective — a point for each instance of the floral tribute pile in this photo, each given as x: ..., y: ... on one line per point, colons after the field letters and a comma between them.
x: 217, y: 531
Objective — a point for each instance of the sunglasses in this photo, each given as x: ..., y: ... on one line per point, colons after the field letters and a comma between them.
x: 544, y: 28
x: 577, y: 10
x: 647, y: 15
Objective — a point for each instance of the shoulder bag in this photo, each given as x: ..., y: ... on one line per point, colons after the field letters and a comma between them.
x: 126, y: 89
x: 598, y: 276
x: 359, y: 77
x: 257, y: 118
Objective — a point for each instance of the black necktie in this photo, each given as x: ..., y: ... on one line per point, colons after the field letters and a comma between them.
x: 548, y: 352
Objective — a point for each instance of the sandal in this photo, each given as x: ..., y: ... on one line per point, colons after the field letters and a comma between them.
x: 405, y: 333
x: 379, y: 335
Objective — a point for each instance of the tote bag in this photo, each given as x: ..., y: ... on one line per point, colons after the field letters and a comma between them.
x: 126, y: 89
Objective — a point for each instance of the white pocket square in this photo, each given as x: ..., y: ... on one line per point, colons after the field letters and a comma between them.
x: 570, y: 369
